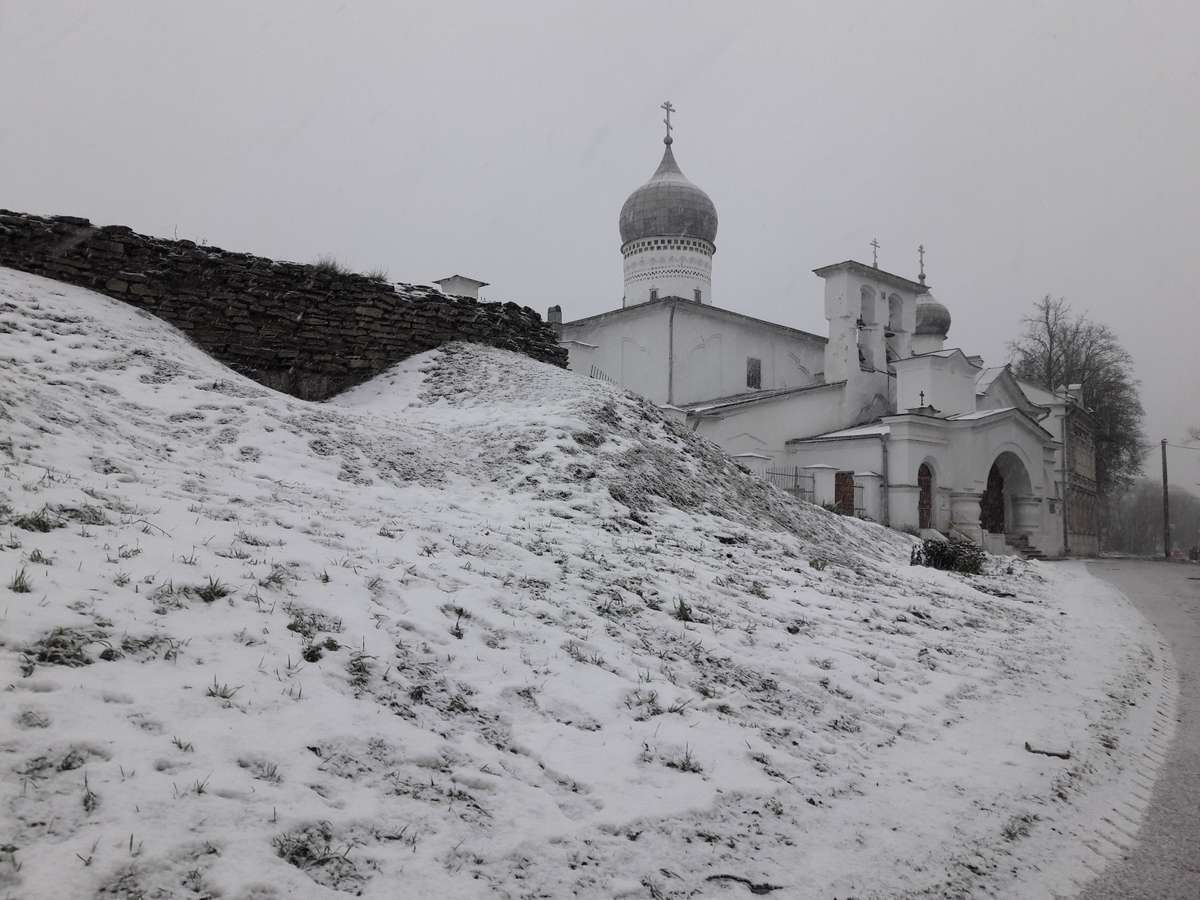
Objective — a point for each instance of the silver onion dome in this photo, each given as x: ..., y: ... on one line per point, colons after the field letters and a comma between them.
x: 668, y: 205
x: 932, y: 316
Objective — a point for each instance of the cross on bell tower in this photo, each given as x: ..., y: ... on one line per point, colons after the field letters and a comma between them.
x: 666, y: 105
x: 875, y: 252
x: 921, y: 255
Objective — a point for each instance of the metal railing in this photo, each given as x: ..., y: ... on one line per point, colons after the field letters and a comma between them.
x: 798, y: 484
x: 599, y: 374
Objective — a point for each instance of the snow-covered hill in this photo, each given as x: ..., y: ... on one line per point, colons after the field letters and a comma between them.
x: 481, y: 627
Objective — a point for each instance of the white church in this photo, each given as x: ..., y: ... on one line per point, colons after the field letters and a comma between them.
x: 877, y: 418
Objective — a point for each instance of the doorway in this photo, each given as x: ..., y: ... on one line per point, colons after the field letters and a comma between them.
x: 843, y: 493
x: 925, y: 499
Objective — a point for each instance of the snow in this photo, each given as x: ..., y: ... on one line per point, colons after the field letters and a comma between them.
x: 981, y: 414
x: 482, y: 627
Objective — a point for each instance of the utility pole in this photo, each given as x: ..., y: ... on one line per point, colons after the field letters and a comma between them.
x: 1166, y: 506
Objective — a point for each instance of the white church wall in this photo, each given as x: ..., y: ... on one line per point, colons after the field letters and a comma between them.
x: 871, y: 485
x: 628, y: 348
x: 858, y: 455
x: 765, y: 427
x: 864, y: 398
x: 1000, y: 394
x: 841, y: 311
x: 712, y: 354
x: 927, y: 343
x: 914, y: 442
x: 864, y: 306
x: 946, y: 383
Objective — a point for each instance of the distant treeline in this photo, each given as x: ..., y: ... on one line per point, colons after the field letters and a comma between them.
x: 1134, y: 520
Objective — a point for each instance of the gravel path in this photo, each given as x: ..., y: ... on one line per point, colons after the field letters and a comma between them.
x: 1166, y: 862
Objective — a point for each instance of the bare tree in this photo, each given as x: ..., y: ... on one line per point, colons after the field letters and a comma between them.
x: 1059, y: 347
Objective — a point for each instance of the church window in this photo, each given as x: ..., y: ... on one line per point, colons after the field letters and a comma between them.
x: 753, y: 372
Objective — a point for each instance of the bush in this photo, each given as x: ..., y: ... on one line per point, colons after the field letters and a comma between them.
x: 955, y: 555
x: 328, y: 265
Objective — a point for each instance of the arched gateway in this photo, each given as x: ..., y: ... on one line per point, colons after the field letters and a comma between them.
x: 1008, y: 505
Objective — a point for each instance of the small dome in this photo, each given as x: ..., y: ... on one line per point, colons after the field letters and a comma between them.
x: 668, y: 205
x: 932, y: 316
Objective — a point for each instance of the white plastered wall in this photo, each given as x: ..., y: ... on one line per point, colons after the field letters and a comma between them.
x: 629, y: 349
x: 711, y: 354
x: 765, y: 427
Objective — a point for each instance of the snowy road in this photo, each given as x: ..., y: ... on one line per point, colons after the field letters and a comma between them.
x: 1166, y: 862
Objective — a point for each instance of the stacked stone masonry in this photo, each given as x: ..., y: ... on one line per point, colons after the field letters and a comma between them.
x: 302, y: 329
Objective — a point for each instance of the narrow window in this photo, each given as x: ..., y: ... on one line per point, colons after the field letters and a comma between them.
x: 697, y: 295
x: 753, y: 372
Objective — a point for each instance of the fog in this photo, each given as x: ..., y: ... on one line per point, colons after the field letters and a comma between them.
x: 1033, y: 148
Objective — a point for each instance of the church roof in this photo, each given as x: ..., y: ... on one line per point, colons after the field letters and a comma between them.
x: 702, y: 309
x: 851, y: 265
x: 875, y: 429
x: 984, y: 379
x: 449, y: 279
x: 711, y: 407
x: 884, y: 426
x: 668, y: 205
x: 1038, y: 395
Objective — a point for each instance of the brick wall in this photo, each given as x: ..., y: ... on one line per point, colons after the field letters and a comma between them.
x: 296, y: 328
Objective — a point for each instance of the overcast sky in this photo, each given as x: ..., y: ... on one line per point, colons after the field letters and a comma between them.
x: 1034, y: 148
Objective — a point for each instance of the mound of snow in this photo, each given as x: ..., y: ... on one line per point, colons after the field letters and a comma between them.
x: 476, y: 627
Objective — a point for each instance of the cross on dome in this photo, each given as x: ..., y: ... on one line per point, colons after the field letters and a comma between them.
x: 666, y: 105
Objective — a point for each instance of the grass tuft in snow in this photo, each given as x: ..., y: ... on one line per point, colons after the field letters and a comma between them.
x: 685, y: 762
x: 221, y: 691
x: 65, y: 647
x: 212, y: 590
x: 20, y: 583
x: 682, y: 611
x: 42, y: 521
x: 312, y: 850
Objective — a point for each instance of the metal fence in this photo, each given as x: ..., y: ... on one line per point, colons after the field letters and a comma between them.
x: 599, y: 374
x: 798, y: 484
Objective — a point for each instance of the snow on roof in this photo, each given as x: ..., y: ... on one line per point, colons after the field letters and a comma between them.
x: 464, y: 278
x: 986, y: 376
x: 980, y: 414
x: 1038, y: 395
x: 946, y: 353
x: 861, y: 431
x: 708, y: 406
